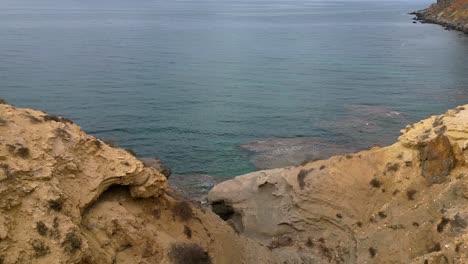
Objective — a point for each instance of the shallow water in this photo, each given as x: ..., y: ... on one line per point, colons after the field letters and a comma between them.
x: 190, y: 81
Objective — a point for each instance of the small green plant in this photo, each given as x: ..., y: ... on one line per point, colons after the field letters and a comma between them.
x: 188, y: 253
x: 2, y: 101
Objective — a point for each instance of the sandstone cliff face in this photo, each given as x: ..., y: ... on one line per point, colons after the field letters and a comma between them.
x: 449, y: 13
x: 405, y: 203
x: 67, y: 197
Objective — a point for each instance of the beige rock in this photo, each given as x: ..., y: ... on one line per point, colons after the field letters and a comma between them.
x: 376, y: 206
x: 67, y: 197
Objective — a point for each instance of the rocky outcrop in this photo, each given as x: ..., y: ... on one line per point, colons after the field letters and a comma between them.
x: 452, y: 14
x: 68, y: 197
x: 405, y: 203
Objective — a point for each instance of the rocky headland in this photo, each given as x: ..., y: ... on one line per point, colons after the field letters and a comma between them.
x: 68, y: 197
x: 452, y: 14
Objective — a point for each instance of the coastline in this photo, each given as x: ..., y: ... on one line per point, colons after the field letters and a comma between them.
x: 450, y: 14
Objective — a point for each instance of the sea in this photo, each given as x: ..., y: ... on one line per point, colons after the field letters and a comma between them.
x: 218, y: 88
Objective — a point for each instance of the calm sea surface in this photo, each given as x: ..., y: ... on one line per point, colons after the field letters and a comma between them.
x: 191, y: 81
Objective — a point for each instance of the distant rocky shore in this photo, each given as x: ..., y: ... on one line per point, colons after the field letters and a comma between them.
x: 451, y: 14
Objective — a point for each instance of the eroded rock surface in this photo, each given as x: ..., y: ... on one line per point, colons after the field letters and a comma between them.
x: 67, y: 197
x: 405, y: 203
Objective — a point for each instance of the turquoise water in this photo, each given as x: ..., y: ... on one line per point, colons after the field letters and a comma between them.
x: 190, y: 81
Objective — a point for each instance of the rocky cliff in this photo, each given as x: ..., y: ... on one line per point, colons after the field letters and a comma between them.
x: 453, y: 14
x: 67, y: 197
x: 405, y: 203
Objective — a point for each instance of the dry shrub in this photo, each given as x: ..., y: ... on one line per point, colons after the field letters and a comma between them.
x: 188, y: 253
x: 375, y: 183
x: 40, y: 248
x: 72, y: 242
x: 187, y: 232
x: 410, y: 194
x: 183, y: 210
x: 41, y: 228
x: 301, y: 177
x: 56, y: 118
x: 56, y: 204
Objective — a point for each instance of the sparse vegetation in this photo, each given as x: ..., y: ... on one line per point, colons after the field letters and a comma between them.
x: 56, y: 204
x: 309, y: 243
x: 349, y: 156
x: 34, y: 119
x: 395, y: 192
x: 6, y: 169
x: 188, y: 253
x: 55, y: 232
x: 372, y: 252
x: 18, y: 150
x: 443, y: 222
x: 338, y: 215
x: 435, y: 248
x: 393, y: 167
x: 281, y: 241
x: 187, y: 232
x: 71, y: 242
x: 408, y: 163
x: 382, y: 214
x: 183, y: 210
x: 40, y: 248
x: 410, y: 194
x: 359, y: 224
x: 375, y: 183
x: 301, y: 177
x: 2, y: 122
x: 55, y: 118
x: 322, y: 167
x: 41, y: 228
x: 23, y: 152
x: 131, y: 152
x: 2, y: 101
x: 110, y: 142
x: 415, y: 224
x: 440, y: 130
x: 437, y: 121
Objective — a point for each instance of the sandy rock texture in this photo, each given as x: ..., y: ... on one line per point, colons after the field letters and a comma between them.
x: 67, y: 197
x: 405, y: 203
x: 452, y: 14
